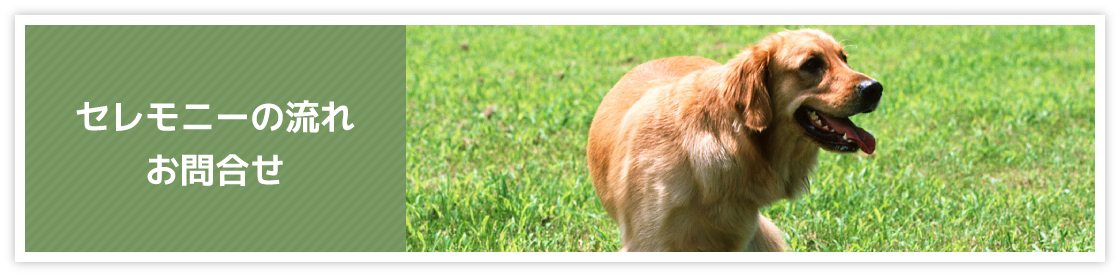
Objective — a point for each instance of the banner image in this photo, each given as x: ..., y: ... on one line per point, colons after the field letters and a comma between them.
x: 557, y: 139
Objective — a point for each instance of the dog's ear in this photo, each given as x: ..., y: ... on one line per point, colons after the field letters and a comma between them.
x: 745, y: 84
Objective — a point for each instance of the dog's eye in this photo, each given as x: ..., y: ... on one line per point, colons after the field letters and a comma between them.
x: 812, y: 65
x: 844, y: 57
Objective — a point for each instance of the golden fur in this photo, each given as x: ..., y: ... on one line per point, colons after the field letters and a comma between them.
x: 684, y: 151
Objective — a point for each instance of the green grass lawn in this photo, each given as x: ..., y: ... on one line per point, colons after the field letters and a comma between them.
x: 985, y: 137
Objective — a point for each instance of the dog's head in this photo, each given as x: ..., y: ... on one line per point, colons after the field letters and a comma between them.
x: 799, y: 81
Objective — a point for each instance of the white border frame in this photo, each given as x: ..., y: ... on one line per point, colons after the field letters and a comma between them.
x: 22, y: 20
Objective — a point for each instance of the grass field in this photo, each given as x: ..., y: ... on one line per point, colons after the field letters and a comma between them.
x: 985, y: 137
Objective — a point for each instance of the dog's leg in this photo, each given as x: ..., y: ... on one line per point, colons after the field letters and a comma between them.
x: 767, y: 239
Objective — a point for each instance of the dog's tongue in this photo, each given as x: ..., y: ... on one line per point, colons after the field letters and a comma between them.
x: 845, y: 126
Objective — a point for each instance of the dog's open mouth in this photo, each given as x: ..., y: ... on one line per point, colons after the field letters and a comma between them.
x: 833, y: 132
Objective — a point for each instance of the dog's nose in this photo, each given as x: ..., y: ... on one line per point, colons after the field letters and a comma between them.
x: 870, y: 91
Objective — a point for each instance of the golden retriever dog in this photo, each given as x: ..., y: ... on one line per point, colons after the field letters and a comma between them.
x: 684, y: 151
